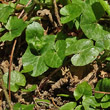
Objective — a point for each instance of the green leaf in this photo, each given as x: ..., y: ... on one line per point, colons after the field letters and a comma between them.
x: 5, y: 12
x: 28, y: 60
x: 91, y: 14
x: 24, y: 2
x: 83, y: 89
x: 30, y: 89
x: 49, y: 41
x: 68, y: 106
x: 15, y: 28
x: 39, y: 67
x: 54, y: 58
x: 17, y: 79
x: 19, y: 106
x: 105, y: 102
x: 82, y: 45
x: 98, y: 34
x: 89, y: 102
x: 102, y: 85
x: 83, y: 49
x: 70, y: 44
x: 28, y: 107
x: 34, y: 33
x: 33, y: 63
x: 42, y: 101
x: 63, y: 95
x: 85, y: 57
x: 79, y: 107
x: 70, y: 12
x: 105, y: 6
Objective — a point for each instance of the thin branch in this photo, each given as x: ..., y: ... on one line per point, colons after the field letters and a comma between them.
x: 4, y: 89
x: 101, y: 92
x: 56, y: 12
x: 22, y: 12
x: 42, y: 85
x: 12, y: 52
x: 11, y: 58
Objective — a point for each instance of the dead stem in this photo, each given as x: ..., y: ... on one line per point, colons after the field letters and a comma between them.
x: 4, y: 89
x: 101, y: 92
x: 12, y: 52
x: 56, y: 12
x: 42, y: 85
x: 11, y: 58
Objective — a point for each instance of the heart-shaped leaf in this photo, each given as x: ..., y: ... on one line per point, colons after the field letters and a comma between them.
x: 105, y: 102
x: 89, y: 23
x: 85, y: 57
x: 90, y: 103
x: 17, y: 79
x: 83, y: 89
x: 28, y: 60
x: 34, y: 33
x: 5, y: 11
x: 70, y: 43
x: 33, y: 63
x: 39, y: 66
x: 15, y: 27
x: 102, y: 85
x: 70, y: 12
x: 54, y: 58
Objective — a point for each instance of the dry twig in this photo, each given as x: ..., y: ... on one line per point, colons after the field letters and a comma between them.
x: 4, y: 89
x: 42, y: 85
x: 12, y: 52
x: 56, y: 12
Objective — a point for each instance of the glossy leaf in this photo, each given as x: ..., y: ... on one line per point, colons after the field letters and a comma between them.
x: 54, y: 58
x: 33, y: 63
x: 70, y: 12
x: 68, y: 106
x: 102, y: 85
x: 83, y: 89
x: 28, y: 60
x: 5, y: 12
x: 90, y: 102
x: 49, y: 41
x: 105, y: 6
x: 17, y: 79
x: 39, y: 67
x: 77, y: 46
x: 79, y: 107
x: 105, y: 102
x: 34, y: 33
x: 85, y: 57
x: 15, y: 28
x: 70, y: 44
x: 89, y: 23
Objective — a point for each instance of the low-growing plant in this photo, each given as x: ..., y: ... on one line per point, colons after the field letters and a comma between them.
x: 87, y: 99
x: 51, y: 51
